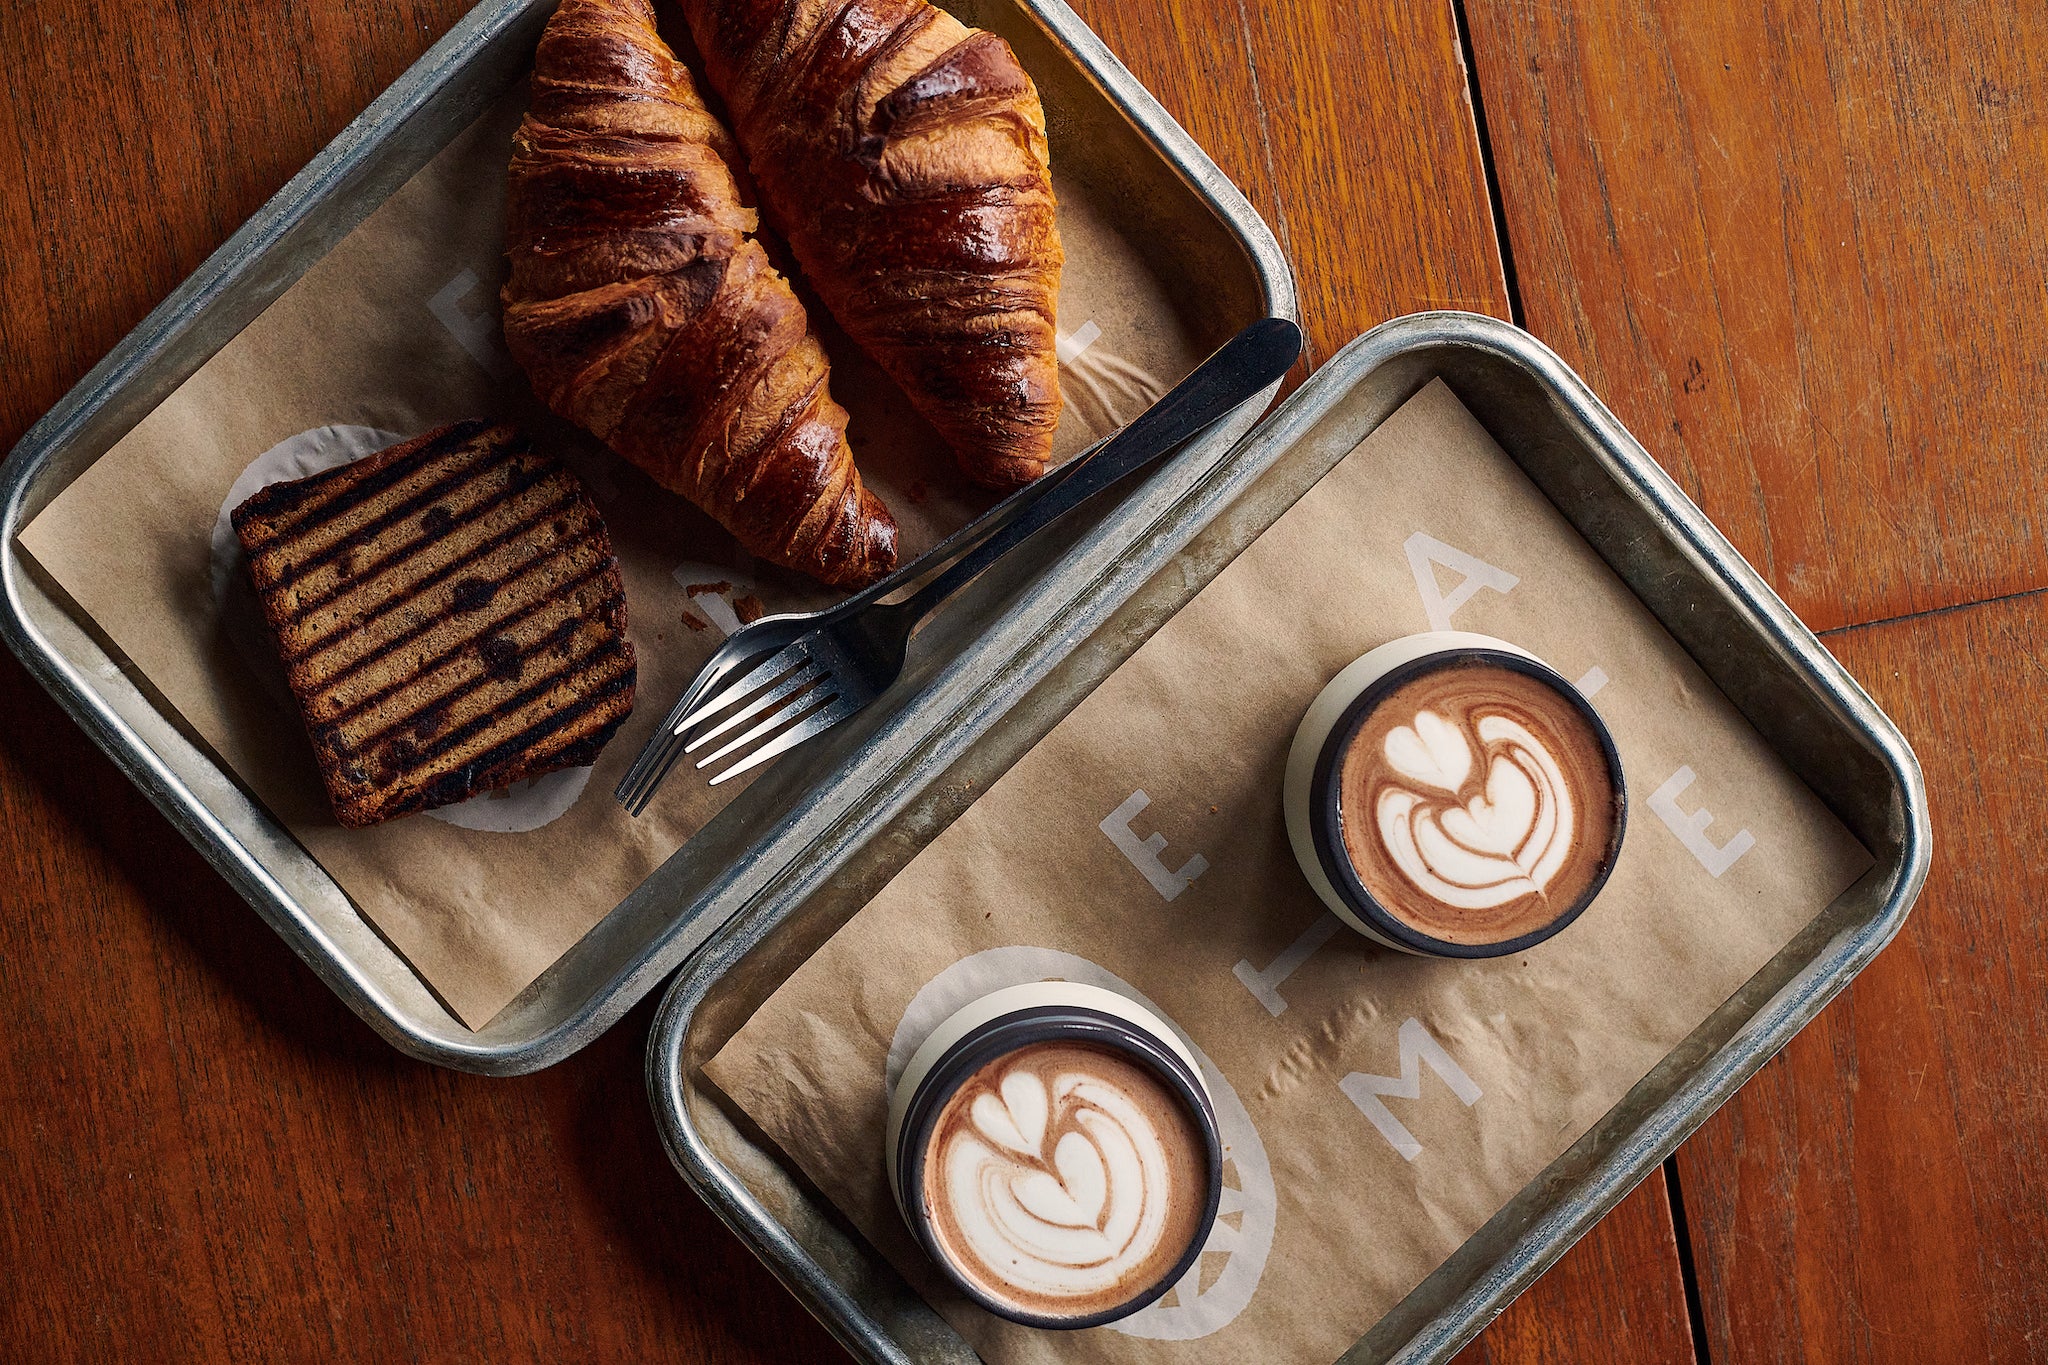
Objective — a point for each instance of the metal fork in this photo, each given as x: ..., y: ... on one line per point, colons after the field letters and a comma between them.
x: 822, y: 667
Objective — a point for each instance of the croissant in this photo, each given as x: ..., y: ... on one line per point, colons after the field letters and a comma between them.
x: 904, y: 157
x: 643, y: 309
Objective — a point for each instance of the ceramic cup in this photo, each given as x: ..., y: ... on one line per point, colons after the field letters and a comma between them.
x: 1055, y: 1150
x: 1450, y: 794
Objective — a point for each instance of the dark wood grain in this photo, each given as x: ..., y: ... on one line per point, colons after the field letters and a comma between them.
x: 1348, y: 128
x: 1875, y: 1194
x: 134, y: 139
x: 1615, y: 1296
x: 202, y: 1154
x: 1797, y: 246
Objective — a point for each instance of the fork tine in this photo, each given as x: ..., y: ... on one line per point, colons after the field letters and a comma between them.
x: 783, y: 715
x: 671, y: 752
x: 816, y: 723
x: 796, y: 652
x: 659, y: 754
x: 811, y: 672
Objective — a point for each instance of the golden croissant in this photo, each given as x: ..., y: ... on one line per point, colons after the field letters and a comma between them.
x: 904, y: 157
x: 643, y: 309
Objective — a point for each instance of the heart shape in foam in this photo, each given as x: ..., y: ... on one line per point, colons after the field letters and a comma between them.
x: 1500, y: 819
x: 1071, y: 1189
x: 1431, y: 751
x: 1501, y: 843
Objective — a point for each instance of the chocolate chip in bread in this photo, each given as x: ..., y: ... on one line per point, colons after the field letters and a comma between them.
x: 450, y: 616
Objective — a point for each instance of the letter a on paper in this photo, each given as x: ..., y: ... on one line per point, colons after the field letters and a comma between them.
x: 1425, y: 552
x: 1417, y: 1047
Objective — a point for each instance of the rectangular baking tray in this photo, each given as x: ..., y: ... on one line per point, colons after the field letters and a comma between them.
x: 1213, y: 250
x: 1804, y: 704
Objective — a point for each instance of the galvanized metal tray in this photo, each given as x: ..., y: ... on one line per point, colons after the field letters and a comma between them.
x: 1774, y: 670
x: 1218, y: 258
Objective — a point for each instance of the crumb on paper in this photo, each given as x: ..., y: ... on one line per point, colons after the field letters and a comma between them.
x: 749, y: 609
x: 694, y: 621
x: 917, y: 492
x: 699, y: 589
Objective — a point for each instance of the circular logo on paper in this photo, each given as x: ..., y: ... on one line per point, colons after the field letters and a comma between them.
x: 1226, y: 1274
x: 515, y: 809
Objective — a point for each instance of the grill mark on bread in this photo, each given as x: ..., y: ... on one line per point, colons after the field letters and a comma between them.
x: 600, y: 714
x: 354, y: 679
x: 285, y: 505
x: 495, y: 484
x: 301, y: 502
x: 483, y: 705
x: 468, y: 763
x: 317, y: 580
x: 425, y: 494
x: 342, y: 697
x: 278, y: 513
x: 450, y: 614
x: 448, y: 507
x: 384, y: 608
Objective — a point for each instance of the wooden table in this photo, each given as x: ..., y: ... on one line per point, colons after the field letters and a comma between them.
x: 1798, y: 247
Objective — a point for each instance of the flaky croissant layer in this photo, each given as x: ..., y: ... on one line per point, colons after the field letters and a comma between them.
x: 904, y: 156
x: 642, y: 308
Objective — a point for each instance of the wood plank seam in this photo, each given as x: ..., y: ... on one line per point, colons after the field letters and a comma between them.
x: 1502, y: 243
x: 1688, y: 1273
x: 1674, y: 1206
x: 2019, y: 595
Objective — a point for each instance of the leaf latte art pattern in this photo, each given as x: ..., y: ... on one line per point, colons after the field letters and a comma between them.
x: 1505, y: 841
x: 1062, y: 1179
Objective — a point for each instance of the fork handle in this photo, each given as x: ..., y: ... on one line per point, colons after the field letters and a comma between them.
x: 1247, y: 363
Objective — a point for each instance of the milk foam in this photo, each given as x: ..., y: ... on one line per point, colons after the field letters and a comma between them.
x: 1505, y: 842
x: 1056, y: 1188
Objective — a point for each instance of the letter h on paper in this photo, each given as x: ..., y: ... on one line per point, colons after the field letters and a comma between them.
x: 1417, y: 1047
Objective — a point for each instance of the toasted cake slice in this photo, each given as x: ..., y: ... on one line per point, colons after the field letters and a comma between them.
x: 450, y: 616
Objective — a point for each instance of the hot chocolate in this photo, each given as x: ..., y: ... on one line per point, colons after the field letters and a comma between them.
x: 1450, y: 794
x: 1064, y: 1179
x: 1476, y: 802
x: 1055, y: 1149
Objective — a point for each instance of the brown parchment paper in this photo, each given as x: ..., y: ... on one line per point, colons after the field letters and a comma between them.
x: 1378, y: 1107
x: 397, y: 329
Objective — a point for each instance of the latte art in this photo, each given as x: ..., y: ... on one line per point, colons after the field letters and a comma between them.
x: 1477, y: 803
x: 1063, y: 1179
x: 1507, y: 841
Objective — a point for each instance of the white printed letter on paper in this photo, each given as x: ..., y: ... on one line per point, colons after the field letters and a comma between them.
x: 1417, y: 1047
x: 1144, y: 853
x: 1425, y: 552
x: 1692, y: 829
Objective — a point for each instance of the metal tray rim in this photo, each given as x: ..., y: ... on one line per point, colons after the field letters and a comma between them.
x: 243, y: 254
x: 234, y: 259
x: 1661, y: 1131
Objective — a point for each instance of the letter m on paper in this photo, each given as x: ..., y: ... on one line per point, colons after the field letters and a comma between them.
x: 1417, y: 1049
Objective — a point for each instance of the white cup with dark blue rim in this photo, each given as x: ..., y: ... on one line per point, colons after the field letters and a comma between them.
x: 1055, y: 1150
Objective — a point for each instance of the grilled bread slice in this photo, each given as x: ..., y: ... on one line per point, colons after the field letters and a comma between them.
x: 449, y: 614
